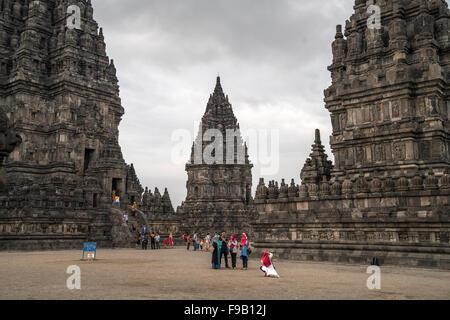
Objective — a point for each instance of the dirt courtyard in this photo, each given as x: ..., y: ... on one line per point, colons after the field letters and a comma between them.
x: 178, y: 274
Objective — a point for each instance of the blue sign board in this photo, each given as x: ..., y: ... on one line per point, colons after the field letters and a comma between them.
x: 90, y: 247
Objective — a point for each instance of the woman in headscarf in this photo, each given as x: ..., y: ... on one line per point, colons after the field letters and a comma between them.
x: 244, y: 251
x: 233, y: 243
x: 267, y: 265
x: 243, y: 239
x: 217, y: 244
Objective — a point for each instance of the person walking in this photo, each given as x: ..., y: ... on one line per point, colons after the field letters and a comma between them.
x: 195, y: 241
x: 145, y: 241
x: 152, y: 240
x: 157, y: 239
x: 188, y: 242
x: 233, y: 244
x: 207, y: 241
x: 171, y: 240
x: 224, y: 249
x: 139, y: 238
x: 144, y: 237
x: 244, y: 251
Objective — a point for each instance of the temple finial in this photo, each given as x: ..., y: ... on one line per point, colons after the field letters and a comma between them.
x: 317, y: 139
x: 218, y: 89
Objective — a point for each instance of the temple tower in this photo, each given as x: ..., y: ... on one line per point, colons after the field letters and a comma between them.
x: 219, y: 172
x: 388, y: 194
x: 389, y: 97
x: 61, y: 94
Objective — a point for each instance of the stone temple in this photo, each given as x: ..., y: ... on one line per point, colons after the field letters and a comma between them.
x: 60, y: 93
x: 387, y: 195
x: 219, y: 189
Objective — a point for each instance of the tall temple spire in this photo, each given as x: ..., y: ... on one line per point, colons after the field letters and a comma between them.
x: 317, y: 166
x: 60, y: 90
x: 317, y: 139
x: 218, y: 91
x: 221, y: 186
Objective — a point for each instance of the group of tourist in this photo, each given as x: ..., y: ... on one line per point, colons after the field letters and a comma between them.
x: 223, y: 245
x: 222, y: 248
x: 145, y: 236
x: 133, y: 213
x: 199, y: 244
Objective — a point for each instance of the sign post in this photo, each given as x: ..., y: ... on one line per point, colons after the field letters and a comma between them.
x: 90, y: 248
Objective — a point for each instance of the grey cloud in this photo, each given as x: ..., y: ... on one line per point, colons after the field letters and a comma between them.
x: 271, y: 55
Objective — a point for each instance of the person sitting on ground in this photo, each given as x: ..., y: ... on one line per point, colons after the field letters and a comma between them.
x: 267, y: 265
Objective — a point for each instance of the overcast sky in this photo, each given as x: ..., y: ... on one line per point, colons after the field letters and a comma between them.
x: 272, y: 57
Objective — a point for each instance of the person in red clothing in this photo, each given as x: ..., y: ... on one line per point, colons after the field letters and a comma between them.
x: 171, y: 240
x: 267, y: 265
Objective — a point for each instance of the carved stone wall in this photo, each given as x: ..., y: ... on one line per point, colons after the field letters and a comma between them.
x: 387, y: 194
x: 60, y: 92
x: 159, y: 214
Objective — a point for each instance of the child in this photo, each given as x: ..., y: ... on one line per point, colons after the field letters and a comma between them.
x: 201, y: 245
x: 165, y: 243
x: 267, y: 265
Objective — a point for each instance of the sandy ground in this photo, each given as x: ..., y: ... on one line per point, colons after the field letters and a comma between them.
x: 178, y: 274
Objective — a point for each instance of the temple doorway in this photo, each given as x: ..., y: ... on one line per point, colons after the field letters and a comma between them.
x: 88, y: 156
x: 116, y: 186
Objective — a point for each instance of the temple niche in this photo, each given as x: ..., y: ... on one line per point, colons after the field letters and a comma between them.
x: 387, y: 195
x: 218, y: 189
x: 9, y: 140
x: 60, y: 92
